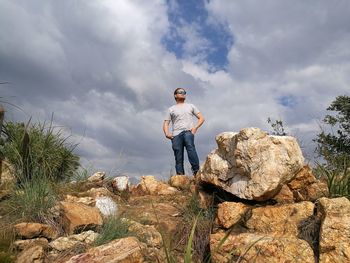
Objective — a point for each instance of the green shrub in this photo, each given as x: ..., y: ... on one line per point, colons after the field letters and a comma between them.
x: 32, y: 199
x: 338, y: 177
x: 200, y: 222
x: 36, y: 147
x: 113, y: 228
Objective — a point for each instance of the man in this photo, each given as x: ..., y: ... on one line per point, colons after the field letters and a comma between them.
x: 183, y: 131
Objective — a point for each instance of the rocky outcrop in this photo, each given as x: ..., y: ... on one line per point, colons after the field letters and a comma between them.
x: 334, y: 244
x: 77, y: 217
x: 259, y: 248
x: 124, y: 250
x: 252, y: 164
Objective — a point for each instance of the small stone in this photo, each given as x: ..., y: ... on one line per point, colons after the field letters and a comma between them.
x: 97, y: 177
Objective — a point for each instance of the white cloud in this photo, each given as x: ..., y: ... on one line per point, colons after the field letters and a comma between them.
x: 101, y: 67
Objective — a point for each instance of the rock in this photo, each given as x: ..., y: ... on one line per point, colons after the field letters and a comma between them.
x: 316, y: 191
x: 259, y: 248
x: 334, y: 241
x: 27, y: 243
x: 280, y: 220
x: 251, y: 164
x: 149, y: 185
x: 32, y: 230
x: 125, y: 250
x: 96, y: 192
x: 65, y: 243
x: 106, y: 205
x: 230, y: 213
x: 180, y: 181
x: 149, y: 234
x: 305, y: 186
x: 84, y: 200
x: 120, y: 183
x: 284, y: 196
x: 33, y: 254
x: 77, y: 217
x: 97, y: 177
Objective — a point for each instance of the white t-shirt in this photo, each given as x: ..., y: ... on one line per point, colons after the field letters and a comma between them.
x: 181, y: 115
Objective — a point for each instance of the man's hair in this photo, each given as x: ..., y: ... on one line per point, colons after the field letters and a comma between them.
x: 177, y: 90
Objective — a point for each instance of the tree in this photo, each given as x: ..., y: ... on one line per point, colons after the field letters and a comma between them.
x: 333, y: 144
x: 277, y: 126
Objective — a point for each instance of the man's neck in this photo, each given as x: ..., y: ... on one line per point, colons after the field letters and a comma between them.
x: 180, y: 102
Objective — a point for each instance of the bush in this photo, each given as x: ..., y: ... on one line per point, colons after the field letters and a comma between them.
x: 200, y: 222
x: 113, y: 228
x: 39, y: 147
x: 32, y: 200
x: 338, y: 177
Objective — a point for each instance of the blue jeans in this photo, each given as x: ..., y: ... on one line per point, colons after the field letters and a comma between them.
x: 185, y: 139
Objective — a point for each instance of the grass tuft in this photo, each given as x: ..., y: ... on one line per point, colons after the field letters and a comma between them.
x: 113, y: 228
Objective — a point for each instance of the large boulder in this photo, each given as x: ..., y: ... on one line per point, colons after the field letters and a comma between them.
x: 335, y: 230
x: 126, y: 250
x: 252, y: 164
x: 77, y: 217
x: 259, y: 248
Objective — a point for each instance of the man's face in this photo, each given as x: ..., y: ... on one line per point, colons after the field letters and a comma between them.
x: 180, y: 94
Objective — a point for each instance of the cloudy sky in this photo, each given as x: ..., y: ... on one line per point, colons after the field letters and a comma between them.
x: 107, y: 70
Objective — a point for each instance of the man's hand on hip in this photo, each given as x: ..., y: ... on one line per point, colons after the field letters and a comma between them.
x: 169, y: 136
x: 194, y: 130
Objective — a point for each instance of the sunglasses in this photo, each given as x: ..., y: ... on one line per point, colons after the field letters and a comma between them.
x: 181, y: 92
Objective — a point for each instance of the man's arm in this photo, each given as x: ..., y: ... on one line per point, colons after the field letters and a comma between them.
x: 199, y: 123
x: 166, y: 129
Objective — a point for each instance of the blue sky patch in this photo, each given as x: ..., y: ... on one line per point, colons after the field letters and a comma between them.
x: 191, y: 35
x: 288, y: 101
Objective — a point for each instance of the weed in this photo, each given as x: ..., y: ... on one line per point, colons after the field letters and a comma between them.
x: 113, y: 228
x: 31, y: 200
